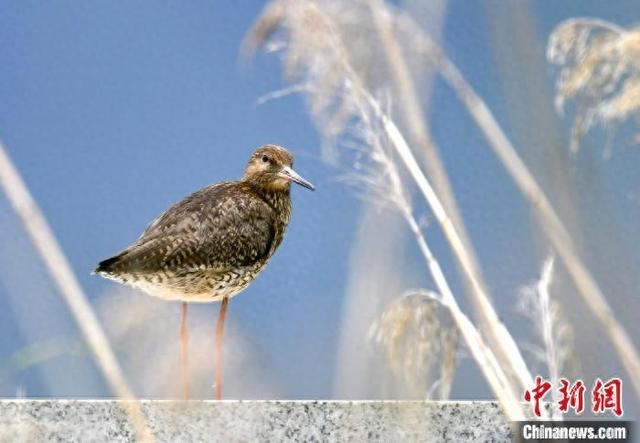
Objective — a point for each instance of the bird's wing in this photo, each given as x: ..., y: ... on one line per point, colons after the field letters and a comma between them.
x: 215, y: 229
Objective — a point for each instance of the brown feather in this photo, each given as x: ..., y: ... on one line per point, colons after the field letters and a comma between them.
x: 214, y: 242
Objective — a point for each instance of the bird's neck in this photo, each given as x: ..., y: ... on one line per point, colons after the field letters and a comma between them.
x: 279, y: 200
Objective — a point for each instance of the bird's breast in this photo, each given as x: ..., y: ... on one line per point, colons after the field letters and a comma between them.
x: 198, y: 286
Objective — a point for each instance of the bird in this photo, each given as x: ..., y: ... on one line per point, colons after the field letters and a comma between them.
x: 211, y: 245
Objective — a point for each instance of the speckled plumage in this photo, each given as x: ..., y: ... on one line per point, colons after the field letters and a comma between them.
x: 213, y: 243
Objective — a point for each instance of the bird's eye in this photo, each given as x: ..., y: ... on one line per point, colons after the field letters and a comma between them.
x: 265, y: 159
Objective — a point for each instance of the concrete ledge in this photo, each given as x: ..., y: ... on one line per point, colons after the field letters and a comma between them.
x: 229, y: 421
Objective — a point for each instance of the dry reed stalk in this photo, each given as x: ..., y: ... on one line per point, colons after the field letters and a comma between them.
x: 482, y: 354
x: 418, y: 134
x: 553, y: 331
x: 549, y: 220
x: 506, y: 346
x: 63, y: 277
x: 503, y: 339
x: 393, y: 192
x: 307, y: 21
x: 547, y: 322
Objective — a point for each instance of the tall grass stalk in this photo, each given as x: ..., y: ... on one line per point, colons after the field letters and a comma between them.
x: 412, y: 113
x: 454, y: 231
x: 546, y: 319
x: 503, y: 339
x: 482, y: 354
x: 549, y: 219
x: 316, y: 52
x: 551, y: 327
x: 392, y: 191
x: 68, y: 286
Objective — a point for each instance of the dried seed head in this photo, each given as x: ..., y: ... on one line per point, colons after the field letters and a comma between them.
x: 598, y: 67
x: 418, y: 338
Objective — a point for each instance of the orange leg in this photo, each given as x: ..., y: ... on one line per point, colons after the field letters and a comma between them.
x: 217, y: 385
x: 184, y: 354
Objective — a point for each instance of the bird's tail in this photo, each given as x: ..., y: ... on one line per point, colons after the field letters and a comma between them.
x: 108, y: 266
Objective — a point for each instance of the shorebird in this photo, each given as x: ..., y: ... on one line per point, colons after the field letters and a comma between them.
x: 212, y: 244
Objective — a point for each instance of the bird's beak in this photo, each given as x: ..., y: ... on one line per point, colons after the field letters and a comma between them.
x: 289, y: 174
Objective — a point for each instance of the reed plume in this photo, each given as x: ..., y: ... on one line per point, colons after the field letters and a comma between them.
x: 337, y: 87
x: 68, y: 286
x: 420, y: 340
x: 598, y: 67
x: 549, y: 325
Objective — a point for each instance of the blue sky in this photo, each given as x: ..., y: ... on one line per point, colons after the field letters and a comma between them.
x: 114, y: 110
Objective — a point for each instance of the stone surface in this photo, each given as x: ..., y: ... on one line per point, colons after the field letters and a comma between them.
x: 241, y: 421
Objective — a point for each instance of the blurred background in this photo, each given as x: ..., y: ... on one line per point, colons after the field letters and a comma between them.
x: 114, y: 110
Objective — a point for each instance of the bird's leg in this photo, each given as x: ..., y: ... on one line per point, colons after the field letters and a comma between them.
x: 219, y: 334
x: 184, y: 351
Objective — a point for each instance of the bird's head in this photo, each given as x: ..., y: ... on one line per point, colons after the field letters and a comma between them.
x: 271, y: 167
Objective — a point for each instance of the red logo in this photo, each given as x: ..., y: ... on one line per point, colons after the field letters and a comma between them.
x: 607, y: 396
x: 537, y: 393
x: 572, y: 396
x: 604, y: 396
